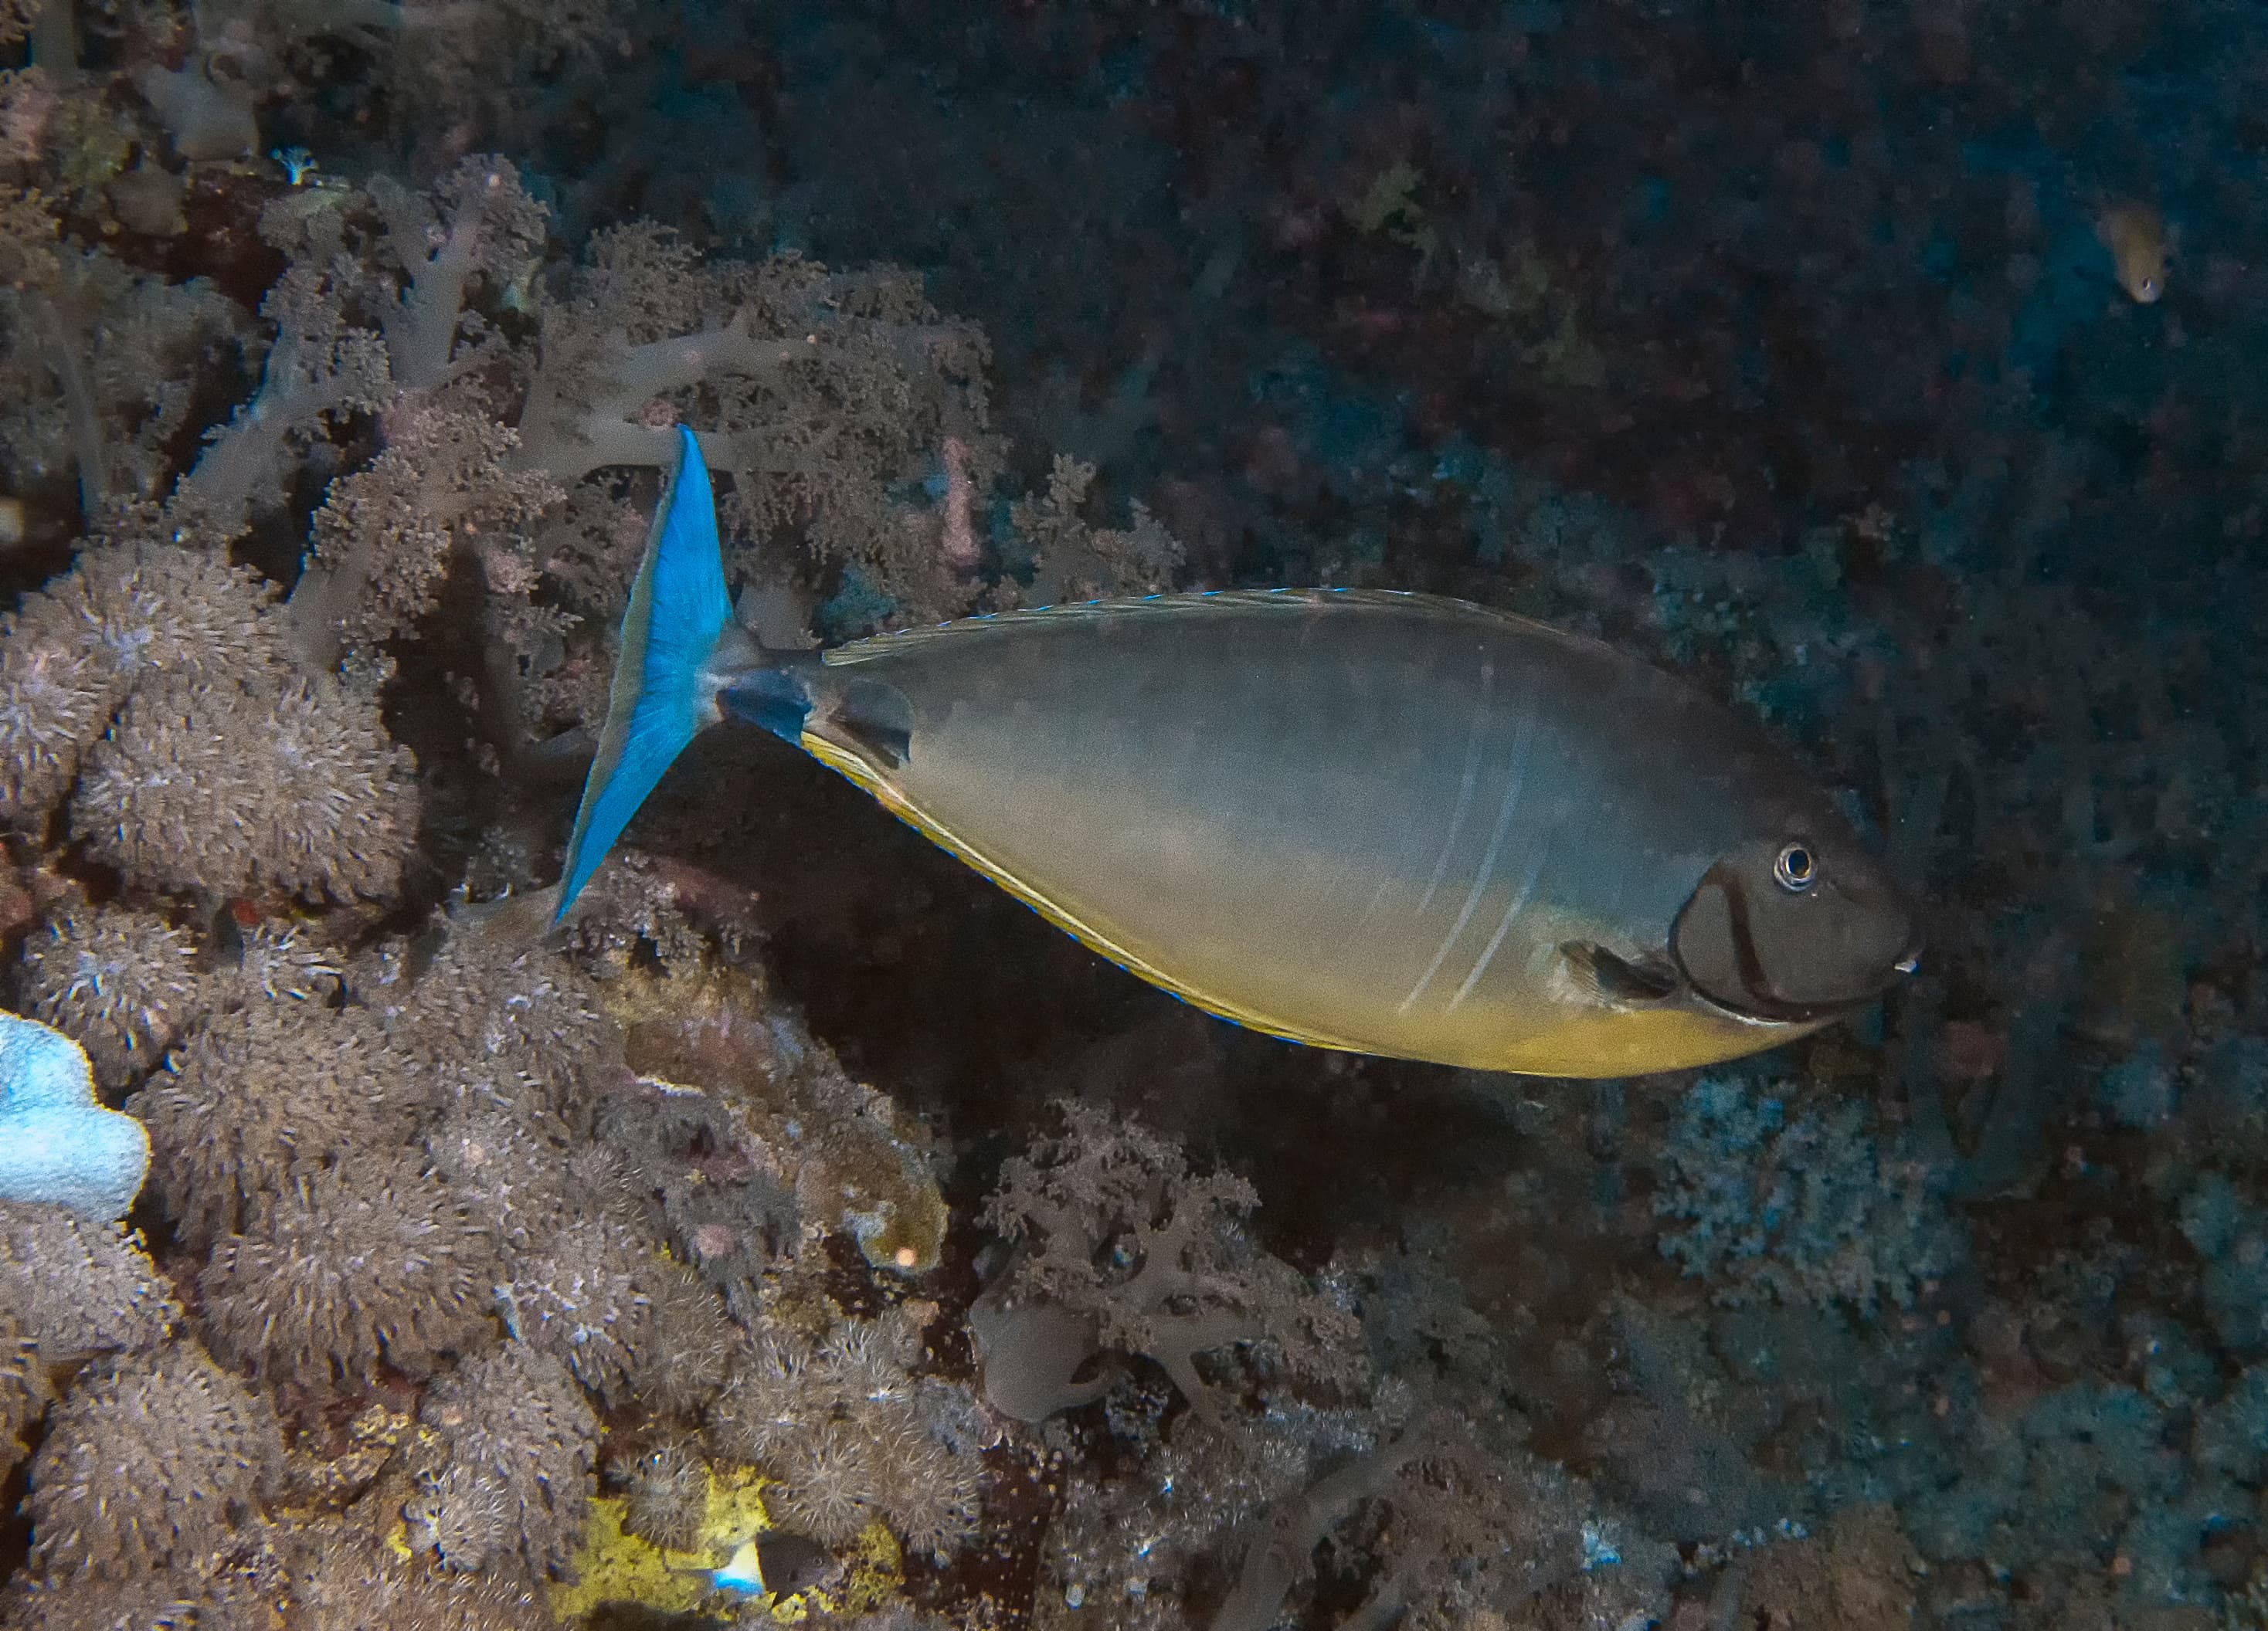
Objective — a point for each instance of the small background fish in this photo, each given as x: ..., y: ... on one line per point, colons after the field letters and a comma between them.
x: 2135, y: 235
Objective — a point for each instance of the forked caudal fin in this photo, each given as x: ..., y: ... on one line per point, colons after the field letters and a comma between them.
x: 666, y: 684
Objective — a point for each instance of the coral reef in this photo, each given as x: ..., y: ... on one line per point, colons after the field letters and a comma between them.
x: 848, y: 1432
x: 1122, y: 1247
x: 357, y: 1265
x: 120, y: 982
x: 266, y: 1098
x: 505, y: 1481
x: 1855, y: 1577
x: 151, y: 1465
x: 1886, y: 369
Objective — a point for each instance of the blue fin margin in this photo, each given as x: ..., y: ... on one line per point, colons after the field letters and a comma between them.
x: 678, y: 609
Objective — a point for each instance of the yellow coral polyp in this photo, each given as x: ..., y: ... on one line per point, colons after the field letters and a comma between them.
x: 615, y: 1566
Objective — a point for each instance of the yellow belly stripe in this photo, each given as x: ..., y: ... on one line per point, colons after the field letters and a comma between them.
x: 854, y: 768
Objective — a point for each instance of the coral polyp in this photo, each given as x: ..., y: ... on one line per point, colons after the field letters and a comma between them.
x: 355, y: 1267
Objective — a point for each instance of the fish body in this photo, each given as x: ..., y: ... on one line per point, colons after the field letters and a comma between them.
x: 1389, y: 823
x: 774, y: 1563
x: 2135, y: 235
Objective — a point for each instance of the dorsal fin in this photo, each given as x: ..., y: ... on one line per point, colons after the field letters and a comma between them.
x: 1195, y: 604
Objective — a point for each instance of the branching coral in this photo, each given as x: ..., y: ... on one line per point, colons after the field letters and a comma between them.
x: 101, y: 362
x: 388, y: 533
x: 79, y: 1286
x: 122, y: 983
x: 151, y: 1462
x: 1077, y: 561
x: 1121, y: 1247
x: 840, y: 1423
x: 373, y: 303
x: 359, y: 1263
x: 877, y: 373
x: 509, y: 1474
x: 266, y: 1097
x: 476, y: 223
x: 827, y: 396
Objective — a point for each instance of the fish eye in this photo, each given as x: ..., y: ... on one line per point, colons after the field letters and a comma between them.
x: 1796, y: 868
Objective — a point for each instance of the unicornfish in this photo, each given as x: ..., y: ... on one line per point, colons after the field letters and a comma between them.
x: 1391, y: 822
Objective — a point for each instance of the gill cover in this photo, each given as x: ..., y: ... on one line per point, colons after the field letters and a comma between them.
x: 1769, y: 946
x: 662, y: 696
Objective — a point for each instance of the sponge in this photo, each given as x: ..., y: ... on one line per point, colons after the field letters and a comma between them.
x: 57, y: 1144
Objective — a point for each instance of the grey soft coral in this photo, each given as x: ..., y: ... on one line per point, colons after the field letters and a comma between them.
x: 504, y: 1482
x: 1118, y: 1245
x: 78, y: 1288
x: 363, y: 1264
x: 153, y: 681
x: 275, y: 781
x: 122, y: 984
x: 135, y: 610
x: 842, y: 1423
x: 152, y: 1463
x: 263, y: 1100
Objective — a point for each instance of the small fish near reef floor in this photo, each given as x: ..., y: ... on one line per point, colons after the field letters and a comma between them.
x: 1388, y: 823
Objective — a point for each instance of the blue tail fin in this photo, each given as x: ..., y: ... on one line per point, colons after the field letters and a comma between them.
x: 662, y: 697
